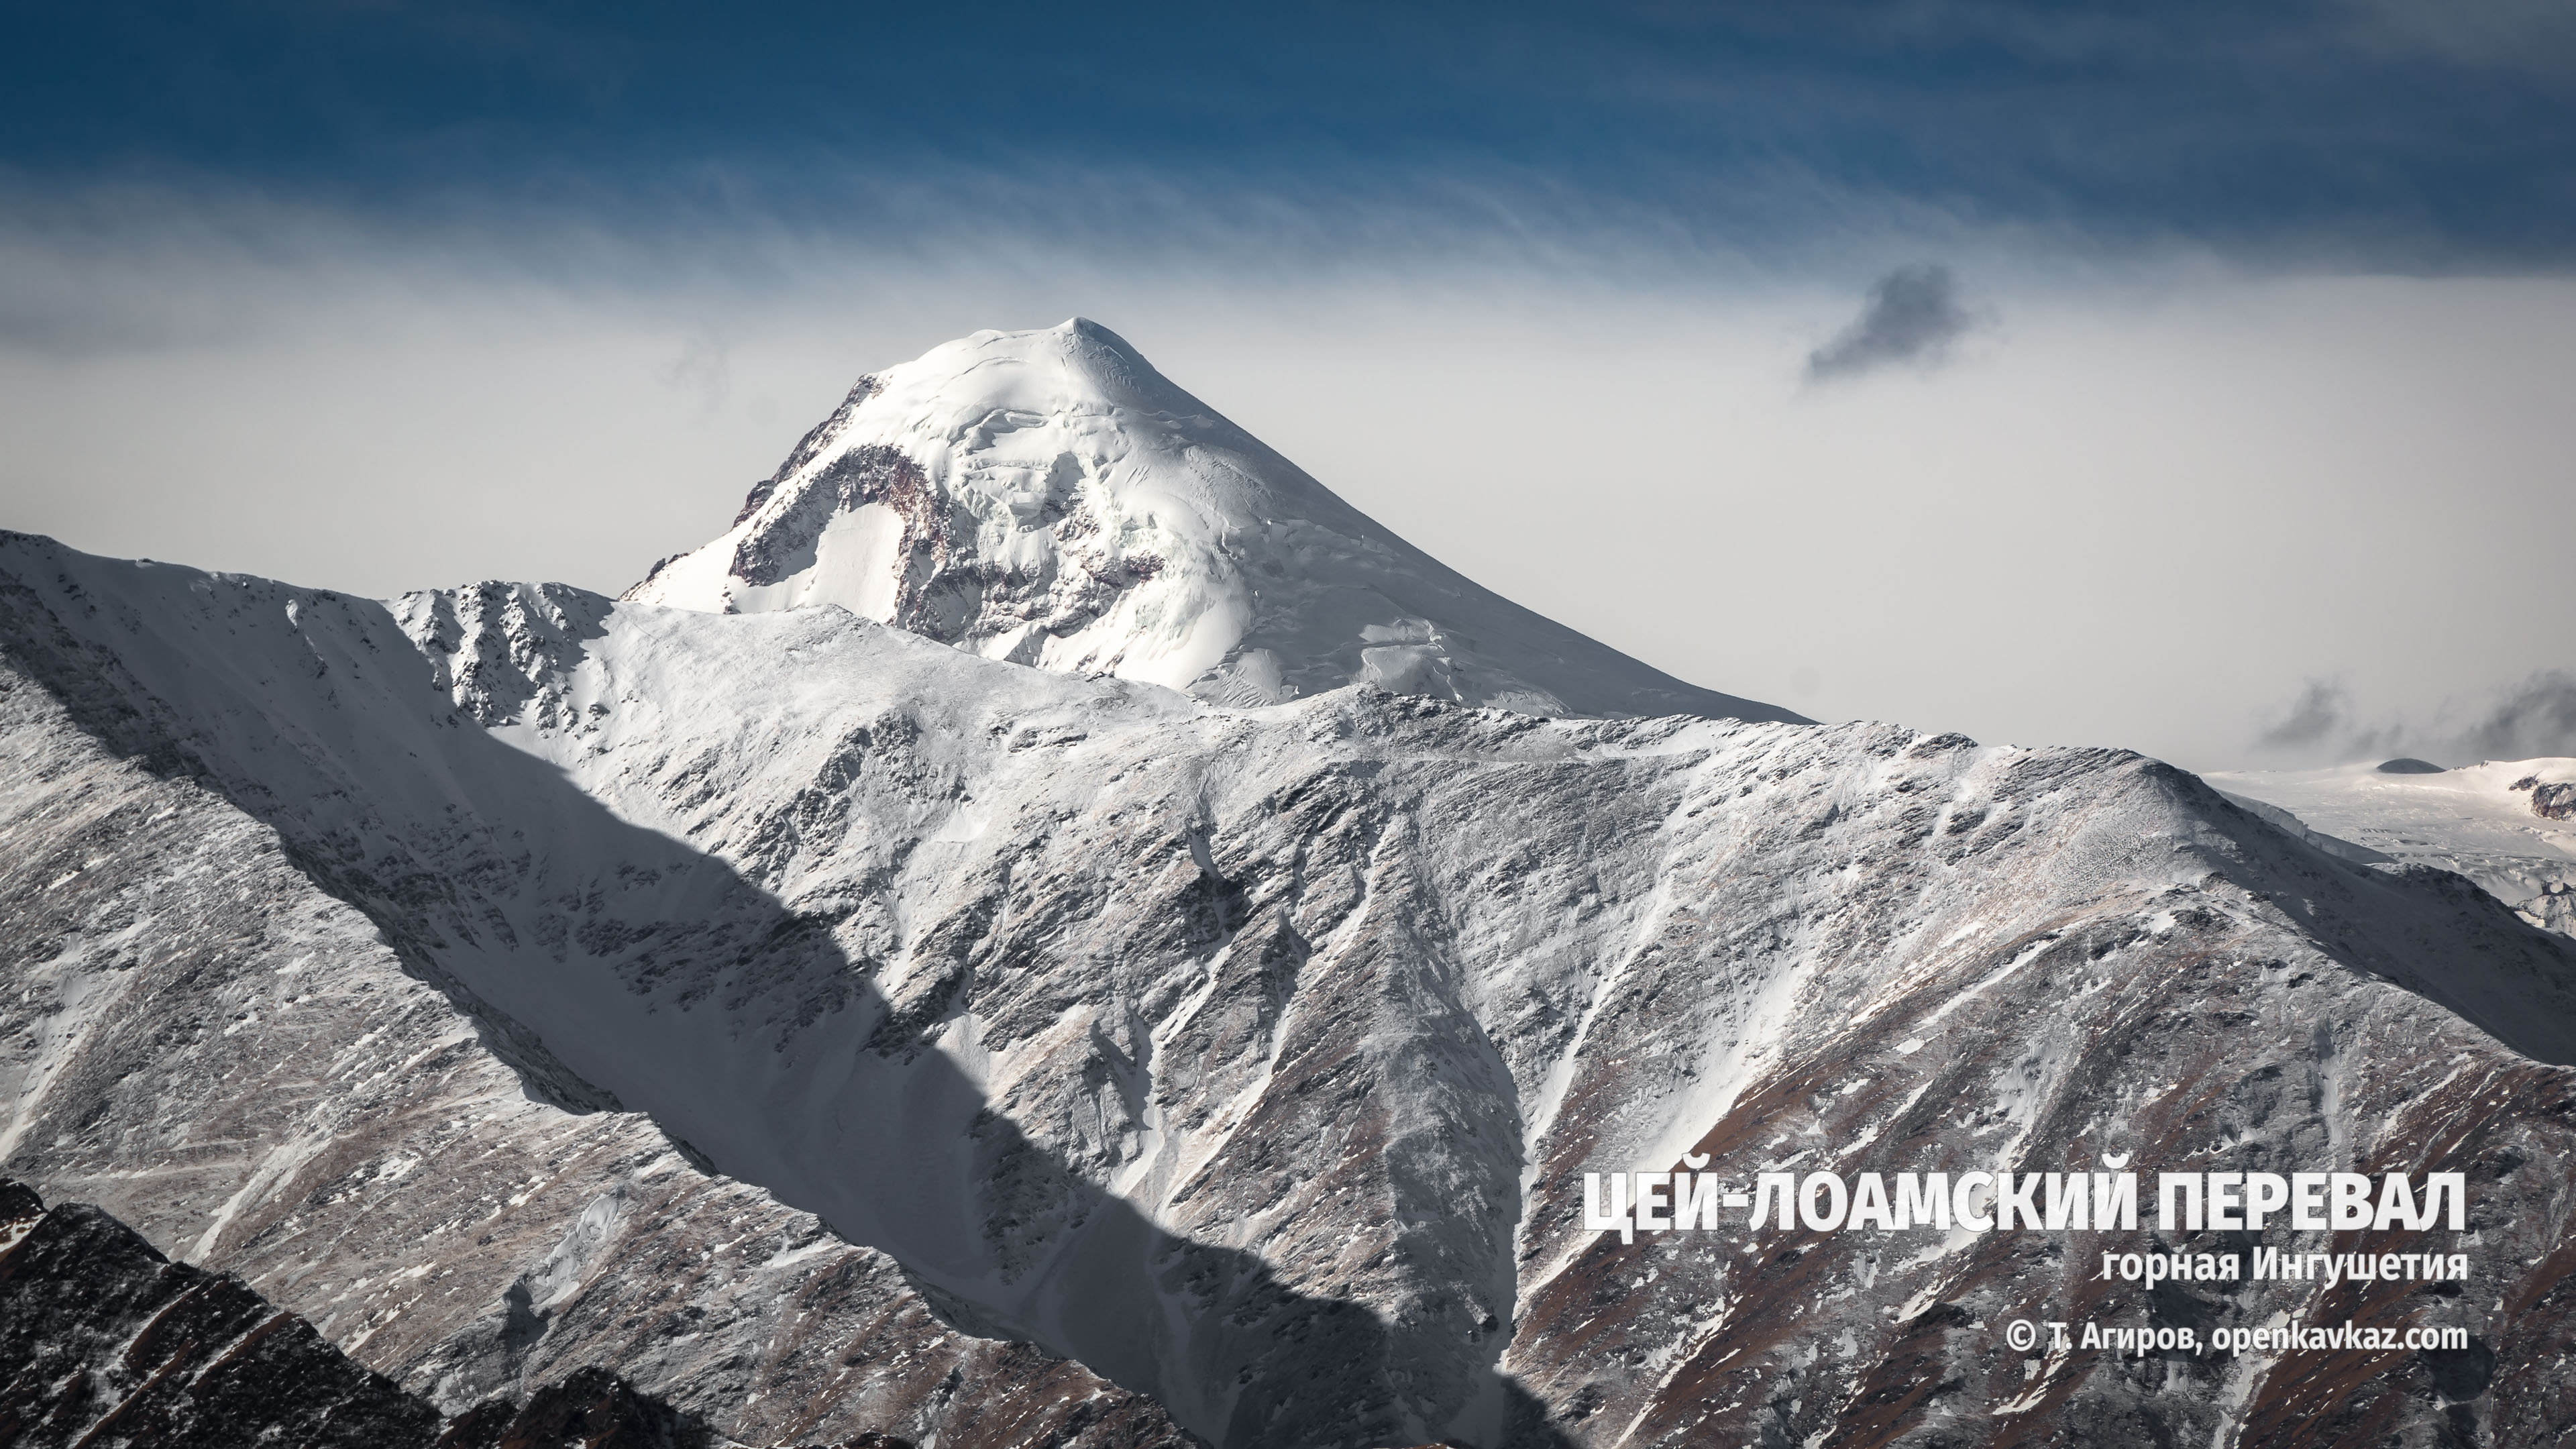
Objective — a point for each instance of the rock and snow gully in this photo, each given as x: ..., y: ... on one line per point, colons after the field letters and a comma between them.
x: 838, y: 1027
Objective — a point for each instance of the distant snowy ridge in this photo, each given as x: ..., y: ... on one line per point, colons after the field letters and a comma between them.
x: 1048, y: 498
x: 2503, y: 823
x: 2298, y: 829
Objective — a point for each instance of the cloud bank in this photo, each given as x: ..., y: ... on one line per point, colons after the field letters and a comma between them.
x: 2367, y: 132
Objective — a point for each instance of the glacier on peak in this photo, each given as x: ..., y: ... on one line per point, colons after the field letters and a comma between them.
x: 2498, y: 822
x: 1048, y: 498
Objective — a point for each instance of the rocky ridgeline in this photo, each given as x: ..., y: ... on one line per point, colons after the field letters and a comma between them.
x: 105, y: 1342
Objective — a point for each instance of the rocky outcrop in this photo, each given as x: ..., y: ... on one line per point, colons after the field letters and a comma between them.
x: 592, y: 1408
x: 103, y: 1341
x: 2552, y: 801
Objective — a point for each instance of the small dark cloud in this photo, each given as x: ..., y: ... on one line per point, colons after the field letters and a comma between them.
x: 1913, y: 315
x: 2321, y: 711
x: 2535, y: 717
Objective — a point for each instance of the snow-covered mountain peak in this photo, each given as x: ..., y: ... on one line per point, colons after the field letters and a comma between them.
x: 1049, y: 498
x: 1075, y: 361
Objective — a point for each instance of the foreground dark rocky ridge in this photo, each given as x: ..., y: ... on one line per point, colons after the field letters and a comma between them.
x: 105, y: 1342
x: 1277, y: 1041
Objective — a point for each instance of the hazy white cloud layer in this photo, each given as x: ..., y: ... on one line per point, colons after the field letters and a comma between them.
x: 2144, y: 505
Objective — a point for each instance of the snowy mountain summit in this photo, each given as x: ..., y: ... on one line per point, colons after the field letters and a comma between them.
x: 1048, y: 498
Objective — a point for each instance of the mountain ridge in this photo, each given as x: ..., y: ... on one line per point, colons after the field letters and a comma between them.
x: 1253, y: 1057
x: 243, y: 1042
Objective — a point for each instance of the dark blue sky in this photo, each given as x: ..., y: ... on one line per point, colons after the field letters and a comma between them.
x: 2378, y: 133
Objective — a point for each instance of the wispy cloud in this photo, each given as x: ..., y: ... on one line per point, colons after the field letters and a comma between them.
x: 2535, y: 717
x: 2532, y: 718
x: 2318, y: 715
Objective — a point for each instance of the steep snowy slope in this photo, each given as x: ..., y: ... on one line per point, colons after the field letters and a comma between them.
x: 1048, y: 498
x: 1254, y: 1058
x: 247, y: 1069
x: 2509, y: 825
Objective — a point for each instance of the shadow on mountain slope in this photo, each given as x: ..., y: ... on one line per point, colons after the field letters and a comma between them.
x: 537, y: 910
